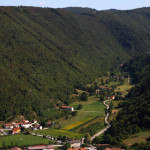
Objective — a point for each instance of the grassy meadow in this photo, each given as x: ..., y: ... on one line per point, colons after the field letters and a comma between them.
x: 124, y: 88
x: 137, y: 138
x: 22, y: 140
x: 90, y: 112
x: 56, y: 132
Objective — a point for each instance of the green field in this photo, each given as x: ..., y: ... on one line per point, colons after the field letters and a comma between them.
x: 22, y: 140
x: 125, y: 87
x: 56, y: 132
x: 137, y: 138
x: 91, y: 109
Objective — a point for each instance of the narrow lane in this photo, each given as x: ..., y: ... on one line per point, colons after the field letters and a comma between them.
x: 106, y: 121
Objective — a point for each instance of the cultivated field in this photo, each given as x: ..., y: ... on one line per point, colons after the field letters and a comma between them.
x: 56, y: 132
x: 91, y: 111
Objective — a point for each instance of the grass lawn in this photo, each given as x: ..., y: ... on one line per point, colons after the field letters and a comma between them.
x: 56, y: 132
x: 138, y: 138
x: 125, y: 87
x: 22, y: 140
x: 112, y: 83
x: 90, y: 110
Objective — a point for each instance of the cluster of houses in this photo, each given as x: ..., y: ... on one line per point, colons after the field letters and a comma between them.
x: 52, y: 147
x: 102, y: 88
x: 16, y: 127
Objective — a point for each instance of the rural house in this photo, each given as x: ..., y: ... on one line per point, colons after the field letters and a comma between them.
x: 8, y: 126
x: 67, y: 108
x: 15, y: 130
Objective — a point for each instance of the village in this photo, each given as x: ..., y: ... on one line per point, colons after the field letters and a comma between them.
x: 106, y: 94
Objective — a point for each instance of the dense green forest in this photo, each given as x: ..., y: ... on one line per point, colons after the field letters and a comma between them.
x: 135, y: 113
x: 46, y: 53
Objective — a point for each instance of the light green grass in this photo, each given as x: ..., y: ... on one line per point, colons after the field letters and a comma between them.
x: 112, y: 83
x: 138, y: 138
x: 91, y: 109
x: 125, y: 87
x: 22, y: 140
x: 56, y: 132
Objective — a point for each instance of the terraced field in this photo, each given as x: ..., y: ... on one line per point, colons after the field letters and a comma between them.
x: 91, y: 111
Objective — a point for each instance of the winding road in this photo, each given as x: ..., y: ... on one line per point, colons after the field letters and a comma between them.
x: 106, y: 121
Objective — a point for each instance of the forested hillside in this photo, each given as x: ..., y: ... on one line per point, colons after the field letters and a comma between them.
x: 46, y: 53
x: 135, y: 114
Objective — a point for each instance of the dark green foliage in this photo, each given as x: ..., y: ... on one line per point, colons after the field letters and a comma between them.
x: 80, y: 10
x: 84, y: 97
x: 141, y: 146
x: 92, y: 129
x: 46, y: 53
x: 136, y: 109
x: 66, y: 146
x: 87, y: 139
x: 79, y: 106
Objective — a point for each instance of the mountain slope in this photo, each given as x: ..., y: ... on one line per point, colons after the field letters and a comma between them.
x: 46, y: 53
x: 135, y: 114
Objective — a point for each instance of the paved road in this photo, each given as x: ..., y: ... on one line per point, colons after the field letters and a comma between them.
x: 106, y: 120
x: 3, y: 131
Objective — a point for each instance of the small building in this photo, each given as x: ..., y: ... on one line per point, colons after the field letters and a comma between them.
x: 102, y: 146
x: 37, y: 127
x: 8, y: 126
x: 16, y: 148
x: 25, y: 121
x: 74, y: 143
x: 26, y: 125
x: 15, y: 130
x: 97, y: 91
x: 34, y: 121
x: 112, y: 97
x: 16, y: 125
x: 105, y: 88
x: 67, y: 108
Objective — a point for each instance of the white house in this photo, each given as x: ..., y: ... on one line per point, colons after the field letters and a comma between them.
x: 8, y: 126
x: 34, y: 121
x: 26, y: 125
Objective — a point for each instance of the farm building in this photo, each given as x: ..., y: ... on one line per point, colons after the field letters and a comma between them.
x: 15, y: 130
x: 8, y: 126
x: 67, y: 108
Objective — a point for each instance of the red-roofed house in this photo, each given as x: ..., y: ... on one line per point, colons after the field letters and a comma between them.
x: 26, y: 125
x: 25, y: 121
x: 8, y: 126
x: 34, y: 121
x: 67, y: 108
x: 113, y: 149
x: 15, y: 130
x: 102, y: 146
x: 15, y: 148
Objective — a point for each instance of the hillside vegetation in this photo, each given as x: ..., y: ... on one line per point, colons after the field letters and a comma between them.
x: 136, y: 109
x: 46, y: 53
